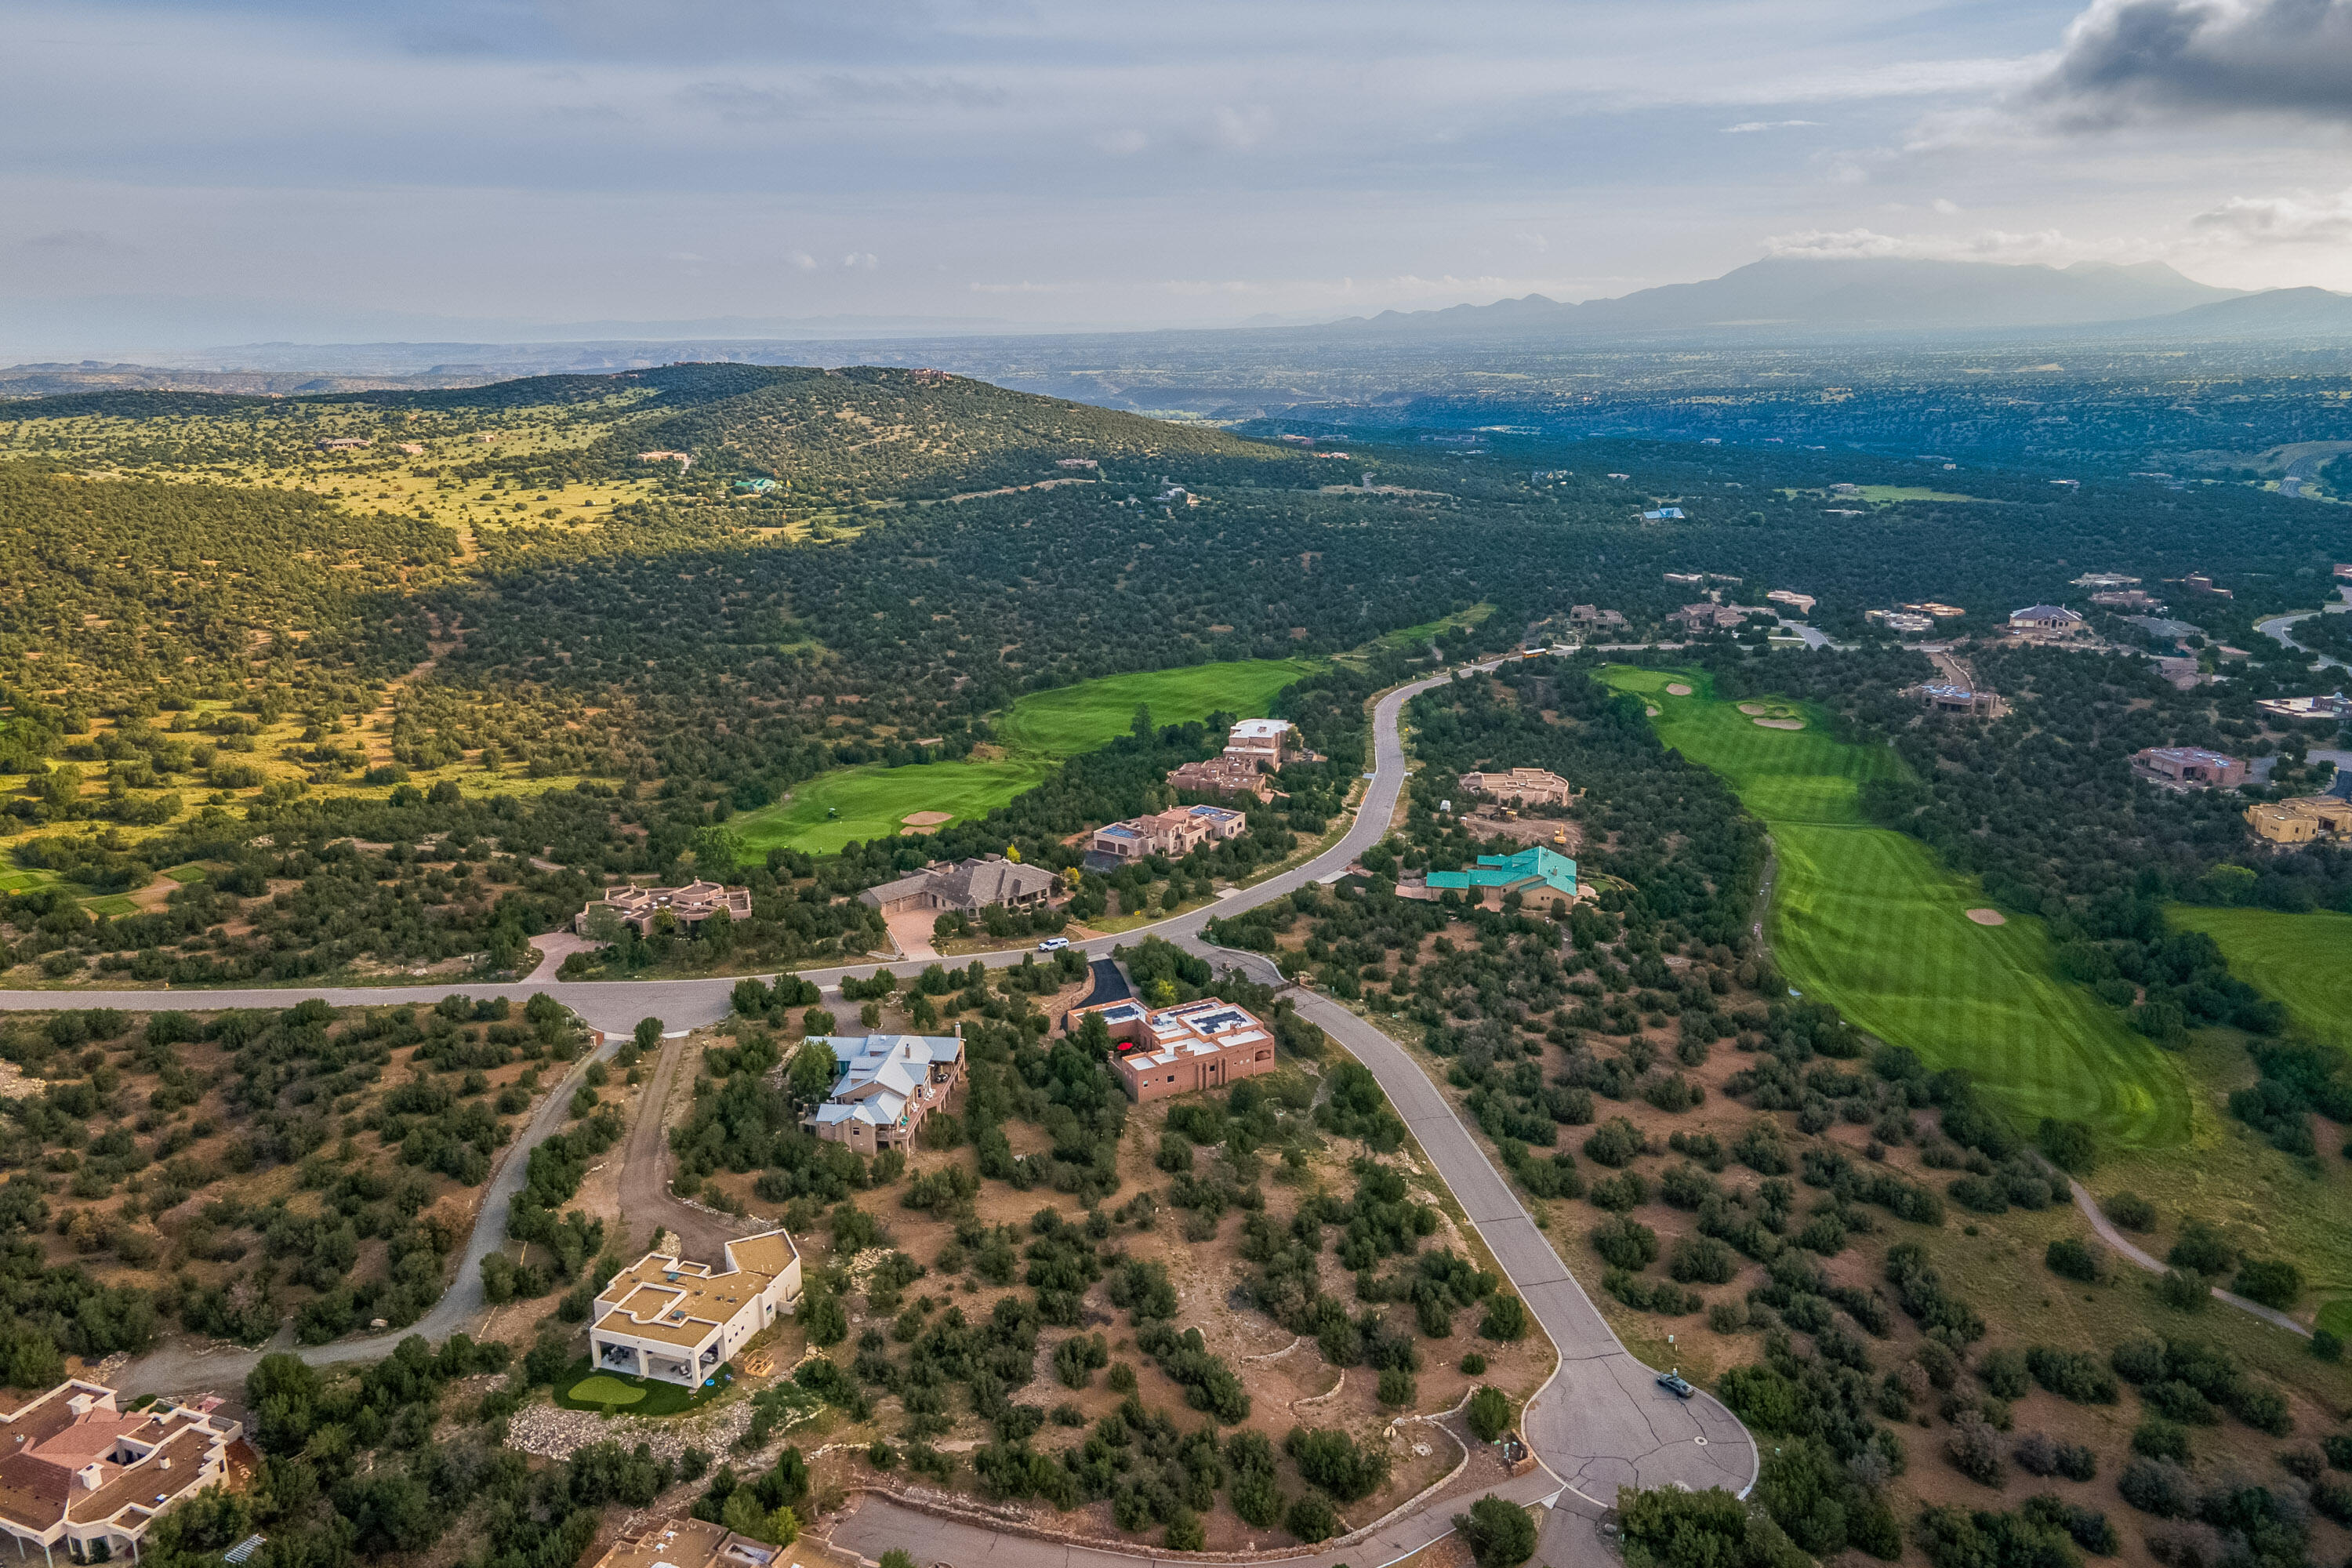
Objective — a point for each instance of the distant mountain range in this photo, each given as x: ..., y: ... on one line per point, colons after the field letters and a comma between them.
x: 1805, y: 295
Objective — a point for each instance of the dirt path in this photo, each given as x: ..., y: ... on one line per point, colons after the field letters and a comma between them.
x: 2115, y: 1238
x: 375, y: 731
x: 647, y: 1202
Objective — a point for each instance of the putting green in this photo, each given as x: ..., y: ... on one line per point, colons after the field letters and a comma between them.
x: 602, y: 1389
x: 1043, y: 727
x: 1867, y: 920
x: 2298, y: 959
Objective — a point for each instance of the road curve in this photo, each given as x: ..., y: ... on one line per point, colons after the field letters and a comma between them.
x: 1600, y: 1422
x: 2280, y: 627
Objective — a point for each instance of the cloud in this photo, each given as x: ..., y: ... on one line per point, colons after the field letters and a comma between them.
x: 2129, y: 60
x: 857, y: 260
x: 801, y: 259
x: 1748, y: 127
x: 69, y: 239
x: 1988, y: 245
x: 2278, y: 220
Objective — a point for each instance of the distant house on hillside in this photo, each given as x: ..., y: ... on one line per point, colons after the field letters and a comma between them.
x: 1525, y: 786
x: 1175, y: 833
x: 1268, y: 742
x: 2189, y: 766
x: 1801, y: 602
x: 1592, y: 616
x: 2055, y: 619
x: 966, y: 887
x: 1224, y: 777
x: 345, y: 444
x: 688, y: 906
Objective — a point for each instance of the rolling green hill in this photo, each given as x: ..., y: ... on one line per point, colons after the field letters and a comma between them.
x: 925, y: 435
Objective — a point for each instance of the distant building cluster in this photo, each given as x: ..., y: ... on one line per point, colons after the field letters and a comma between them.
x: 1801, y: 602
x: 2105, y: 580
x: 345, y: 444
x: 1224, y: 777
x: 1708, y: 615
x: 1908, y: 622
x: 2126, y: 599
x: 1592, y: 616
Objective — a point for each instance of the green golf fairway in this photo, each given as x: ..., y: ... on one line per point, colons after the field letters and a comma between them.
x: 1043, y: 728
x: 1867, y: 920
x: 1073, y: 719
x: 2298, y: 959
x: 602, y: 1390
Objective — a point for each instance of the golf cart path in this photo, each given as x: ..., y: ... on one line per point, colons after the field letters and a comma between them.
x: 2115, y: 1238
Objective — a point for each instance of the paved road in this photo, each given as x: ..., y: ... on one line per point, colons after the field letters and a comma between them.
x: 1601, y: 1423
x: 2116, y: 1239
x: 2279, y: 627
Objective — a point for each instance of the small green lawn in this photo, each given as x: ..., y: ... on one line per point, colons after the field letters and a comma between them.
x: 584, y: 1388
x: 191, y: 872
x: 110, y: 905
x: 24, y: 881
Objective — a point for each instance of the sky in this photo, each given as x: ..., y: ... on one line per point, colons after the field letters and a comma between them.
x: 211, y: 171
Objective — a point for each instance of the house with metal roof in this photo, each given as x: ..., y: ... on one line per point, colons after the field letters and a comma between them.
x: 888, y: 1083
x: 1530, y: 871
x: 677, y: 1320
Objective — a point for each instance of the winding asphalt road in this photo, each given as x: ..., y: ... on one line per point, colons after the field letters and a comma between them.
x: 2281, y: 627
x: 1600, y: 1422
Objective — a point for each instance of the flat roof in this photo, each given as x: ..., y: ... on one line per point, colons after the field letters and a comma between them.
x: 670, y: 1299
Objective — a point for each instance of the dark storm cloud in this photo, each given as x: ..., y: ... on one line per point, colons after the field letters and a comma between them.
x: 2125, y: 60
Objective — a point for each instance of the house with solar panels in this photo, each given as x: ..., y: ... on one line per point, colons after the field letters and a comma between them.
x: 1160, y: 1052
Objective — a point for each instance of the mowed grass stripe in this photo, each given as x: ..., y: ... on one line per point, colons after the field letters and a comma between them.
x: 1867, y: 920
x: 845, y: 805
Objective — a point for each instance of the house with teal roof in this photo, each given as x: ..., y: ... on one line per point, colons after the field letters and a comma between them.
x: 1531, y: 868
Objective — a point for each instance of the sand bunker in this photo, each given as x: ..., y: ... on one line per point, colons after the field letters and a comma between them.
x: 1676, y: 688
x: 1781, y: 723
x: 1651, y: 711
x: 1989, y: 917
x: 1752, y: 709
x: 926, y: 821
